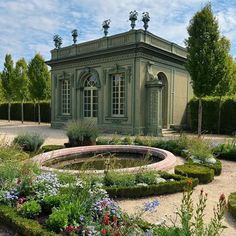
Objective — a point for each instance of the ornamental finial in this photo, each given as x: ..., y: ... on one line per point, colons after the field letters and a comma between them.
x: 57, y: 41
x: 133, y: 16
x: 106, y: 26
x: 145, y: 20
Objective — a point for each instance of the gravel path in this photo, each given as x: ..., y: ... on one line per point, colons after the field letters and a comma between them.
x: 225, y: 183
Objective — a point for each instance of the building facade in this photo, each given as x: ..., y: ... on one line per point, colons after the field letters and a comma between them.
x: 132, y: 83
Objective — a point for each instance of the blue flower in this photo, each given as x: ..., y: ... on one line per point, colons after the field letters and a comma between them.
x: 151, y: 206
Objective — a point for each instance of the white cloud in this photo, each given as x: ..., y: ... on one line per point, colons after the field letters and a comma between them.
x: 27, y: 27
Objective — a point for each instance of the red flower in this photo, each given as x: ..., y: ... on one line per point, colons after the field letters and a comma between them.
x: 222, y: 197
x: 106, y: 219
x: 69, y: 229
x: 103, y: 232
x: 116, y: 233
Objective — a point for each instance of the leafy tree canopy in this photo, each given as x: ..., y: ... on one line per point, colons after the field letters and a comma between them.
x: 204, y: 52
x: 39, y: 78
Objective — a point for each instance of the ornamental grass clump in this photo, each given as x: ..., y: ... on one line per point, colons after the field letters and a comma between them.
x: 29, y: 142
x: 81, y: 133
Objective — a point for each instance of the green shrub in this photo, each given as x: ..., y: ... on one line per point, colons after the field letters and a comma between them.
x: 119, y: 179
x: 102, y: 141
x: 21, y: 225
x: 226, y: 151
x: 58, y: 220
x: 30, y: 209
x: 29, y: 142
x: 146, y: 177
x: 49, y: 148
x: 82, y: 133
x: 232, y: 204
x: 51, y: 201
x: 127, y: 141
x: 11, y: 152
x: 203, y: 173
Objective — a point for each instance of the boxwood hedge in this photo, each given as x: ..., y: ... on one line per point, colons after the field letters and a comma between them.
x: 22, y: 226
x: 177, y: 185
x: 232, y: 204
x: 203, y: 173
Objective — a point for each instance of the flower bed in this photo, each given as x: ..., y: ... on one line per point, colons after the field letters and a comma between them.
x: 63, y: 204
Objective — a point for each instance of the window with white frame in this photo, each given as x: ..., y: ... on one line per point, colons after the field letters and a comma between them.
x: 65, y: 97
x: 118, y: 95
x: 90, y: 97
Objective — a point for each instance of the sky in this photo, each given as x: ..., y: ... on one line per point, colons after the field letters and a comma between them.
x: 28, y: 26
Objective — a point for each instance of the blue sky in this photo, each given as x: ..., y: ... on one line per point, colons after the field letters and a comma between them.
x: 28, y: 26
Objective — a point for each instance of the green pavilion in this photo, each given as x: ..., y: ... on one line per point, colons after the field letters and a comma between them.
x: 131, y: 83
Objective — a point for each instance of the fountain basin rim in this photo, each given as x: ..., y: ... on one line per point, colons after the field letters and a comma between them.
x: 168, y: 162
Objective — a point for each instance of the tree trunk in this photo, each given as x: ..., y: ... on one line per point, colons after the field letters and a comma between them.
x: 9, y: 111
x: 219, y: 116
x: 39, y: 115
x: 22, y: 112
x: 199, y: 129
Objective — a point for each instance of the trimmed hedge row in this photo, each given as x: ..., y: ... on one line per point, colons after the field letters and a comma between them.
x: 204, y: 174
x: 217, y: 167
x: 210, y: 109
x: 30, y: 111
x: 158, y: 189
x: 22, y: 225
x: 232, y: 204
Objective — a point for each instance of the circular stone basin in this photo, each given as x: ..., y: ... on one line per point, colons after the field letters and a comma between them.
x: 128, y: 158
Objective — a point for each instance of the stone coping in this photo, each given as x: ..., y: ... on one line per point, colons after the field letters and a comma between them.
x: 169, y: 160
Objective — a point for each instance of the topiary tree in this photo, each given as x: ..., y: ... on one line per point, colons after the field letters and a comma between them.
x: 39, y: 78
x: 21, y: 82
x: 6, y: 81
x: 204, y: 56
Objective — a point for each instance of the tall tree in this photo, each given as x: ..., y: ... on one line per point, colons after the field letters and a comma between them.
x: 39, y: 77
x: 20, y: 81
x: 203, y: 55
x: 225, y: 75
x: 6, y: 79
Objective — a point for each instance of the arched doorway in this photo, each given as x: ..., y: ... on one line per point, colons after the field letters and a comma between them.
x: 90, y: 98
x: 162, y: 77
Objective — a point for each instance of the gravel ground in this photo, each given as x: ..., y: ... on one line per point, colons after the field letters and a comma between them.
x: 168, y: 203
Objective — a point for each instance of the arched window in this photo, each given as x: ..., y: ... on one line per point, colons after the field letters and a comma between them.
x: 90, y: 97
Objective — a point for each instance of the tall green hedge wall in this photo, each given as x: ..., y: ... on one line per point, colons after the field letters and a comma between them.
x: 210, y: 110
x: 30, y: 111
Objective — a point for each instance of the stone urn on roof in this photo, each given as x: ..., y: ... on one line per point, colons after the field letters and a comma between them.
x: 133, y: 16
